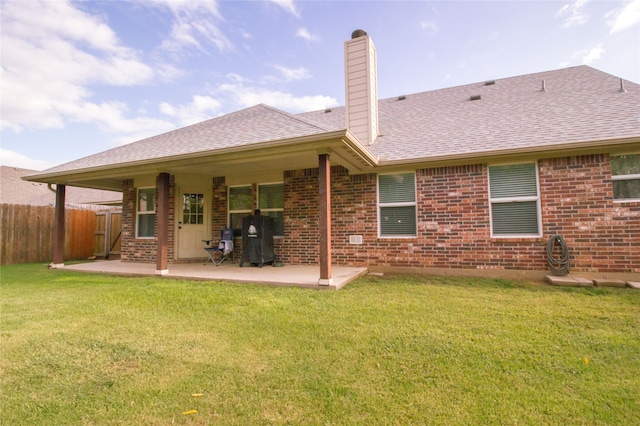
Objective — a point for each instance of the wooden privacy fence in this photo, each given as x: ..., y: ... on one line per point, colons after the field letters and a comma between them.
x: 107, y: 233
x: 27, y: 233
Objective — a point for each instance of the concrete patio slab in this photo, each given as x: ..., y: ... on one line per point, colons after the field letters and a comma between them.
x: 288, y: 275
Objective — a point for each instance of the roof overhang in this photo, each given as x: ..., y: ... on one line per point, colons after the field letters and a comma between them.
x: 611, y: 146
x: 265, y: 157
x: 300, y: 153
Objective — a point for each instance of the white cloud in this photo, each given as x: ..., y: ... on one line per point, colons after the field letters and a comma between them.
x: 14, y: 159
x: 51, y: 53
x: 194, y: 26
x: 245, y: 96
x: 429, y: 26
x: 624, y: 17
x: 209, y: 7
x: 305, y: 34
x: 289, y: 6
x: 291, y: 74
x: 236, y: 77
x: 573, y: 14
x: 140, y: 128
x: 593, y: 54
x: 199, y: 109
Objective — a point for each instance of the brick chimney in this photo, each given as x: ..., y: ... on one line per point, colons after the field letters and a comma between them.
x: 361, y: 86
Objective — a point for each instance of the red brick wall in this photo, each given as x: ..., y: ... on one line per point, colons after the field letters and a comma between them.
x: 219, y: 206
x: 142, y: 250
x: 453, y: 220
x: 577, y: 201
x: 300, y: 244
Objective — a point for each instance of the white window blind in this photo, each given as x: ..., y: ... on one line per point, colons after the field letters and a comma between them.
x: 146, y: 213
x: 625, y: 177
x: 513, y: 193
x: 397, y: 204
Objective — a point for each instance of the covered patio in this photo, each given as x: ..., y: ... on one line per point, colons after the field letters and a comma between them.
x: 303, y: 276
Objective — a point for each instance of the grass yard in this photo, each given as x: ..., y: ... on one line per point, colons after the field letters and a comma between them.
x: 99, y: 350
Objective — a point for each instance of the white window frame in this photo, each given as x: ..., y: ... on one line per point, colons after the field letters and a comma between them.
x: 140, y: 213
x: 413, y: 204
x: 267, y: 210
x: 503, y: 200
x: 624, y: 177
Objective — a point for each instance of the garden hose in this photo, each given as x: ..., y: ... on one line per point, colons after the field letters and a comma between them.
x: 559, y: 265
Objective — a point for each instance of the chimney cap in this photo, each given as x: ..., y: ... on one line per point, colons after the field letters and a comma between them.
x: 358, y: 33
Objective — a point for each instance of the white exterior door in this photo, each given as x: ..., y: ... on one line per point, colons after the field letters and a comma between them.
x: 192, y: 211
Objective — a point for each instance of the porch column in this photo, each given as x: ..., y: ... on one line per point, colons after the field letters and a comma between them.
x: 324, y: 207
x: 58, y: 230
x: 162, y: 184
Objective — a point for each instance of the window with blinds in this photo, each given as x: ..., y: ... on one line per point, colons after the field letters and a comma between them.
x: 146, y: 213
x: 397, y: 205
x: 625, y: 177
x: 515, y: 200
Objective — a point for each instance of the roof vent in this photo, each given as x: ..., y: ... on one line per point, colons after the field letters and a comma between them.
x: 544, y: 86
x: 475, y: 97
x: 327, y: 110
x: 489, y: 82
x: 622, y: 89
x: 402, y: 98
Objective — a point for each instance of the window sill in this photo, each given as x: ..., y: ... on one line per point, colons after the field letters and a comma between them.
x: 517, y: 239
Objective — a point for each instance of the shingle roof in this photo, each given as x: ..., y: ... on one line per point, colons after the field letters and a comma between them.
x: 580, y: 105
x: 14, y: 190
x: 256, y: 124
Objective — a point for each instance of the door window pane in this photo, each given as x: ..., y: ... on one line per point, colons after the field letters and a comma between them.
x: 193, y: 209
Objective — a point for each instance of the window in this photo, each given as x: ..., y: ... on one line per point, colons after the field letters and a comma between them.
x: 514, y: 199
x: 193, y: 209
x: 240, y: 202
x: 146, y: 213
x: 271, y: 203
x: 397, y: 205
x: 625, y: 176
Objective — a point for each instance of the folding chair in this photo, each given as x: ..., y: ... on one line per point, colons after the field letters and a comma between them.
x: 223, y: 250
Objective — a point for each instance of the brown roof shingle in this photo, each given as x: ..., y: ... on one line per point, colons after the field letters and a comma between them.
x: 580, y: 105
x: 256, y: 124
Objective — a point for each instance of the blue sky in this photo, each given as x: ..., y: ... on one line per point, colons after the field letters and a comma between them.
x: 80, y: 77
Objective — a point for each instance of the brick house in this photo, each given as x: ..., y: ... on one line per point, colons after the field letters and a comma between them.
x: 475, y: 177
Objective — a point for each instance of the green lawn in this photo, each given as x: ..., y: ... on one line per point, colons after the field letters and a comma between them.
x: 99, y: 350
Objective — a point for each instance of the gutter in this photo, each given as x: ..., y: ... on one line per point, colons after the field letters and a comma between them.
x: 559, y: 150
x: 309, y: 142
